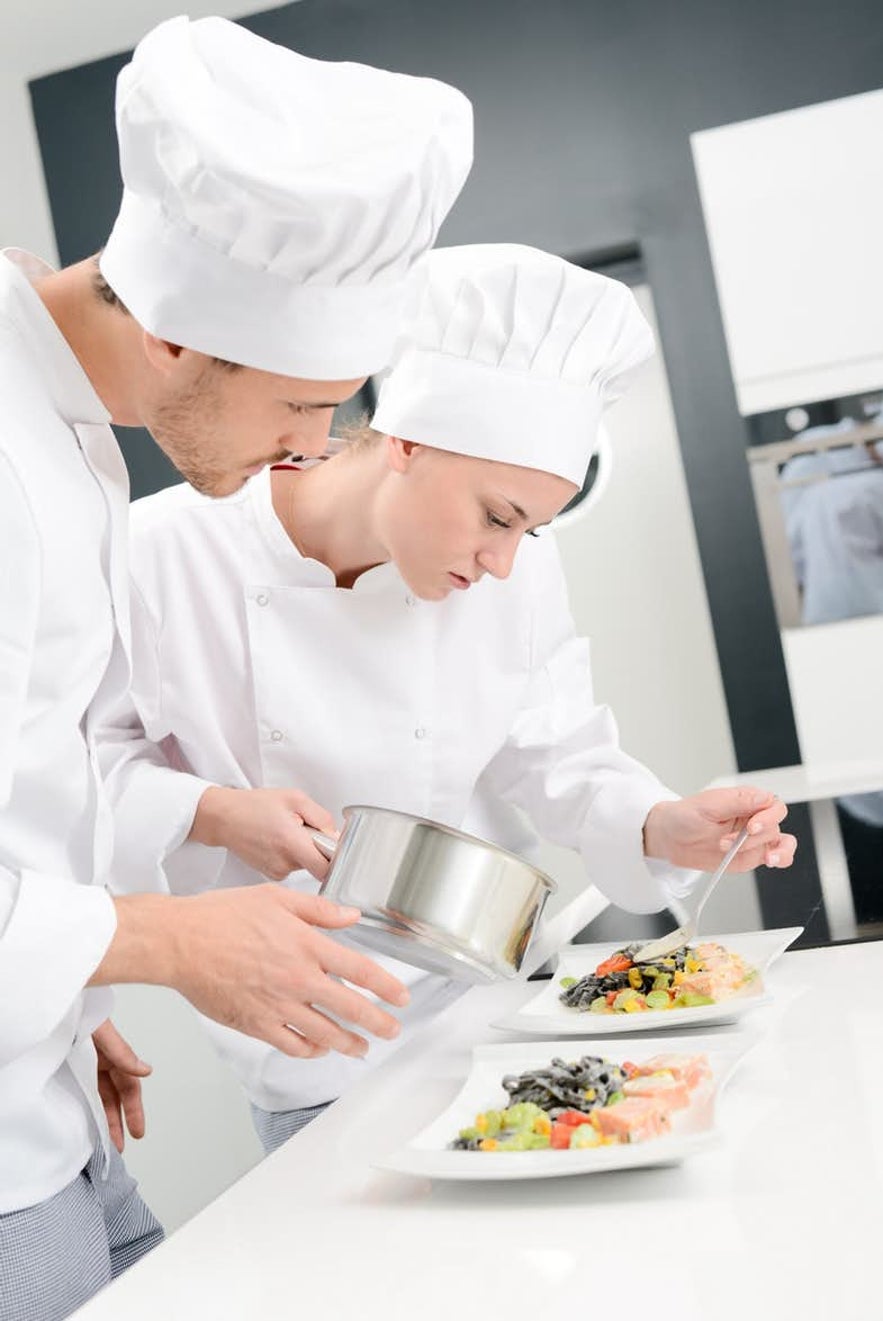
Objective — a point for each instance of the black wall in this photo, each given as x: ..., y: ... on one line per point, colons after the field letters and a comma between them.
x: 583, y: 115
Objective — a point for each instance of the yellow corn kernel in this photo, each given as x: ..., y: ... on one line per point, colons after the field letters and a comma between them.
x: 481, y: 1123
x: 542, y: 1124
x: 488, y: 1144
x: 679, y: 977
x: 693, y: 965
x: 590, y: 1094
x: 636, y: 978
x: 634, y: 1006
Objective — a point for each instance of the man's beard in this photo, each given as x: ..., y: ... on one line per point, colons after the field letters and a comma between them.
x: 186, y: 431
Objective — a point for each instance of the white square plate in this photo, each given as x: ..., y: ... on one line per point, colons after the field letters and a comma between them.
x: 545, y: 1015
x: 693, y: 1129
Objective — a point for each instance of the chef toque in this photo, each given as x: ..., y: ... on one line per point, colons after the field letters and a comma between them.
x: 273, y: 205
x: 512, y: 354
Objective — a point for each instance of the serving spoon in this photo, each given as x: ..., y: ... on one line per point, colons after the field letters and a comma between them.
x: 665, y: 945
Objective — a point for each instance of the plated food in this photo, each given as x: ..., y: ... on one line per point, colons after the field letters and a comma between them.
x: 694, y: 975
x: 715, y: 992
x: 587, y: 1103
x: 648, y: 1124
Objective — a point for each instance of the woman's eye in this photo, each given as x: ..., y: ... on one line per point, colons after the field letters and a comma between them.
x: 496, y: 522
x: 297, y: 408
x: 532, y: 532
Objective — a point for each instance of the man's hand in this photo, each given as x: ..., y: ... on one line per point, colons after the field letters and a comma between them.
x: 269, y: 829
x: 695, y: 831
x: 252, y: 958
x: 119, y: 1083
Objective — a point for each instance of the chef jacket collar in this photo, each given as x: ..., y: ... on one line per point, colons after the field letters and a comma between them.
x: 60, y: 369
x: 299, y: 570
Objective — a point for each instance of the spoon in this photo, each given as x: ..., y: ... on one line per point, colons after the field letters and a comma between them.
x: 658, y: 949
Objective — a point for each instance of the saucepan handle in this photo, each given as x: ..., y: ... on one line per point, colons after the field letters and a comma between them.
x: 326, y: 844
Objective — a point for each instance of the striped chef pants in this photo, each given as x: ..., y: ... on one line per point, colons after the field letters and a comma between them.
x: 57, y: 1254
x: 276, y: 1126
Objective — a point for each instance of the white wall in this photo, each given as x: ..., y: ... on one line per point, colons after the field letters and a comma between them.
x: 637, y: 592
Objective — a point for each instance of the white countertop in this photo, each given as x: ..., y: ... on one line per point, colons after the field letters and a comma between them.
x: 782, y: 1220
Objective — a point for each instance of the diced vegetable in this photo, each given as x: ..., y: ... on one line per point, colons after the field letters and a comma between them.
x: 616, y: 963
x: 522, y: 1115
x: 559, y: 1138
x: 584, y: 1136
x: 692, y: 1000
x: 571, y: 1118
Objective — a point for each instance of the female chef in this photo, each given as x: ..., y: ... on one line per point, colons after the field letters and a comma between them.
x: 391, y: 626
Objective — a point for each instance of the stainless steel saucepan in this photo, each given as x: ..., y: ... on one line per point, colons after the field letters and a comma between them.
x: 433, y: 896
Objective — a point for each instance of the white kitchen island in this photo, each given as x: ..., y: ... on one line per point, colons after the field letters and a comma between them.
x: 783, y: 1220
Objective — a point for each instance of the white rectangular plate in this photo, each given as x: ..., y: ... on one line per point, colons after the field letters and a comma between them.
x: 545, y: 1015
x: 693, y: 1129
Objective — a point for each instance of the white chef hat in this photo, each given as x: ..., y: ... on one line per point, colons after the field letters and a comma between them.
x: 273, y: 205
x: 512, y: 354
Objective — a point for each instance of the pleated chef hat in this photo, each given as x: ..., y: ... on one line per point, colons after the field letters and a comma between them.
x: 512, y: 354
x: 274, y: 205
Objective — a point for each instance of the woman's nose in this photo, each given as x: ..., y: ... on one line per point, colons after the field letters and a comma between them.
x: 498, y: 562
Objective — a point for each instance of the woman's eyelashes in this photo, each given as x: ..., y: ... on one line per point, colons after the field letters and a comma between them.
x: 495, y: 521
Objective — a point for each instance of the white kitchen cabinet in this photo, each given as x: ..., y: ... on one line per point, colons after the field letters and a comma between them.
x: 793, y: 205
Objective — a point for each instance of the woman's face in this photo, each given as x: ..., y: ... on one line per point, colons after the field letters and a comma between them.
x: 447, y: 519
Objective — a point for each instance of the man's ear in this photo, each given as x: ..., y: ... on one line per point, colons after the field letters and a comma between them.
x: 400, y: 453
x: 160, y: 354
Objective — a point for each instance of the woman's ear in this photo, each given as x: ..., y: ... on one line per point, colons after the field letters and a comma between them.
x: 400, y: 453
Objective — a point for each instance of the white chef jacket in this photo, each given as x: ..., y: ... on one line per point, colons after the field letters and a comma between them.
x: 252, y: 668
x: 63, y: 652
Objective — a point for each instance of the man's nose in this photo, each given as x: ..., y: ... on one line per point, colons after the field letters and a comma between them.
x: 310, y: 438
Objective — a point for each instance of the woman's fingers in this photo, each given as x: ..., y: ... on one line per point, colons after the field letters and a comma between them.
x: 775, y: 851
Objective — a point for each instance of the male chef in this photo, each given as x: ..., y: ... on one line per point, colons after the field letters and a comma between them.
x: 272, y: 208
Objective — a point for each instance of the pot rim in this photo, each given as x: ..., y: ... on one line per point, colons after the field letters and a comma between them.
x: 541, y: 876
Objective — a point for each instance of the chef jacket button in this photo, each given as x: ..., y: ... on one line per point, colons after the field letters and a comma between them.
x: 262, y: 598
x: 276, y: 736
x: 420, y: 732
x: 410, y: 600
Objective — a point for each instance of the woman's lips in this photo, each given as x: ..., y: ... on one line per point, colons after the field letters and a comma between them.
x: 459, y: 581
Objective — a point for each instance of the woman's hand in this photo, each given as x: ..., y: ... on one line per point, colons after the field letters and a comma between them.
x: 119, y: 1083
x: 269, y: 829
x: 696, y: 831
